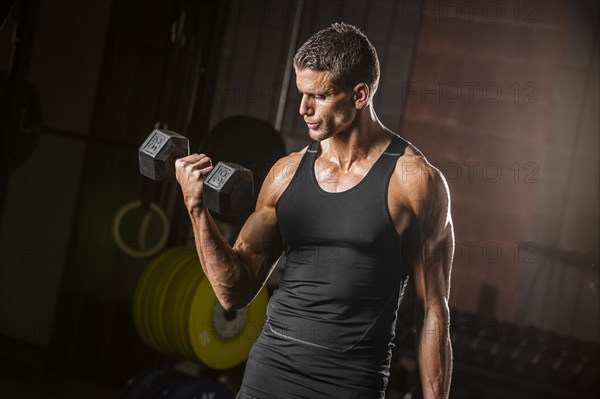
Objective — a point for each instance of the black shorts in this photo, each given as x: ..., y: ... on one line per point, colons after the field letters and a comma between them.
x: 243, y: 395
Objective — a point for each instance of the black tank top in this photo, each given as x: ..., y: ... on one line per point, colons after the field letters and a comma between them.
x: 330, y: 324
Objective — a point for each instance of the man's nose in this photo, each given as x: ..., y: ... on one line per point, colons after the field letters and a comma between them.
x: 306, y: 106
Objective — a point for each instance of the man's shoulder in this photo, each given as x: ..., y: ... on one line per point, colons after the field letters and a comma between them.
x: 294, y: 156
x: 285, y: 167
x: 414, y: 169
x: 281, y: 174
x: 416, y: 179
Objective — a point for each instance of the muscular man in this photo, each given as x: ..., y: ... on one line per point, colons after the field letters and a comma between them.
x: 360, y: 214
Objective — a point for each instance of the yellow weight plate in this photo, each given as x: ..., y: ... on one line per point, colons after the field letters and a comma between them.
x: 187, y: 274
x: 148, y: 319
x: 155, y: 285
x: 162, y: 290
x: 140, y: 290
x: 168, y: 306
x: 195, y: 276
x: 221, y: 339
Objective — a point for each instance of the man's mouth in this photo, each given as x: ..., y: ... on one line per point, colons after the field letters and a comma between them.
x: 312, y: 126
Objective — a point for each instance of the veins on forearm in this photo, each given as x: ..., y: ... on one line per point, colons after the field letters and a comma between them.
x: 220, y: 263
x: 434, y: 352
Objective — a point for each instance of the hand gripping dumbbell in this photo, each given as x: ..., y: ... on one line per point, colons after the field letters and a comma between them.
x: 228, y: 189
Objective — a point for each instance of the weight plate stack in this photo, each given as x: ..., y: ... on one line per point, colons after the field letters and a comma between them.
x: 176, y: 312
x: 150, y: 294
x: 223, y: 339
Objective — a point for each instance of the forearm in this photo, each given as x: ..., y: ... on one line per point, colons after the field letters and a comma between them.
x: 223, y: 267
x: 435, y: 355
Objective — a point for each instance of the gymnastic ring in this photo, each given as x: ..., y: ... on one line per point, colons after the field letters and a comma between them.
x: 136, y: 253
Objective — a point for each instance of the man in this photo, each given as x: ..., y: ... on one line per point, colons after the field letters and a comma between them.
x: 359, y: 213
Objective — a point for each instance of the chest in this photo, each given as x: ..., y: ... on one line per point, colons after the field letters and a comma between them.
x: 326, y: 206
x: 331, y: 178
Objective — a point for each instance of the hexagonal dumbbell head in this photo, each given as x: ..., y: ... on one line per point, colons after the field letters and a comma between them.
x: 228, y: 189
x: 158, y: 153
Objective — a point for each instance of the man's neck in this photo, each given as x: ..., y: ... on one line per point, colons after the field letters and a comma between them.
x: 365, y: 140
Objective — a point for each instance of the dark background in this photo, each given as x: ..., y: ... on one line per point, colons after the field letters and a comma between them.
x: 501, y: 96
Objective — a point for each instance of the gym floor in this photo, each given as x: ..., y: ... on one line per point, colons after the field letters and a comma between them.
x: 23, y: 376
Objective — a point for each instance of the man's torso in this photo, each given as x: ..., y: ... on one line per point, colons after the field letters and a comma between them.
x: 341, y: 284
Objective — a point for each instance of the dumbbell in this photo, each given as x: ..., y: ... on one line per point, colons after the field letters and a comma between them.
x: 228, y: 189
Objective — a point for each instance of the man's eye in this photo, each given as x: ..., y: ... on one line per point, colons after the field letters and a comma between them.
x: 320, y: 97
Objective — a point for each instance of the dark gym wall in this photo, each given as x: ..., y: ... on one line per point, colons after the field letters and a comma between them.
x: 504, y: 100
x: 42, y: 192
x: 256, y: 46
x: 563, y: 292
x: 148, y: 77
x: 99, y: 67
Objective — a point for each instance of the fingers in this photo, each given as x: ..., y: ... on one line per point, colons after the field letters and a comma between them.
x: 199, y: 161
x: 200, y: 171
x: 192, y: 168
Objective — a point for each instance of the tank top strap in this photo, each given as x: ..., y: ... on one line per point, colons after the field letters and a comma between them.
x: 396, y: 147
x: 303, y: 170
x: 384, y: 167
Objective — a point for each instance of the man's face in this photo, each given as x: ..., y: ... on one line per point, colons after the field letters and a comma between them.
x: 325, y: 110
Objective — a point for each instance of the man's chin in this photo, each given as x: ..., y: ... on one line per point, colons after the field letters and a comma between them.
x: 317, y: 135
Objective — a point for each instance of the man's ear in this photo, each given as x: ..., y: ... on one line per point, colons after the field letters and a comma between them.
x: 360, y: 95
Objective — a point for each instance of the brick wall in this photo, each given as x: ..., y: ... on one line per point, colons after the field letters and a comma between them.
x: 484, y: 101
